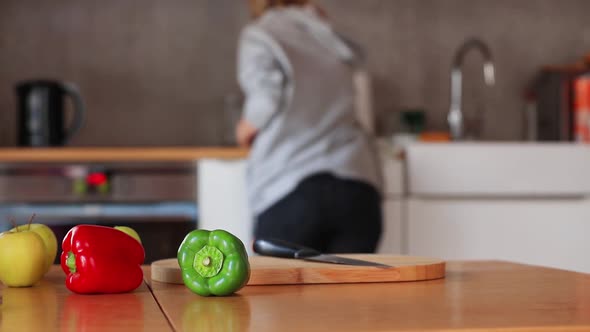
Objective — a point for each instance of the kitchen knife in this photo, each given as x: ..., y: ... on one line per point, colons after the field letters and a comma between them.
x: 284, y: 249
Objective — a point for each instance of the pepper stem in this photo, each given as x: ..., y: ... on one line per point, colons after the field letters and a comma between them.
x: 71, y: 262
x: 208, y: 261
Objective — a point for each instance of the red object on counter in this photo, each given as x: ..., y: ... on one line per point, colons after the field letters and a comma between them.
x: 99, y: 259
x: 581, y: 101
x: 96, y: 179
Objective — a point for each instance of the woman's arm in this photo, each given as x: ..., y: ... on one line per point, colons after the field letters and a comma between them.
x: 245, y: 133
x: 262, y: 79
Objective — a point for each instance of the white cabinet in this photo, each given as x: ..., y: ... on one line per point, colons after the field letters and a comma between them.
x: 392, y: 169
x: 526, y: 203
x: 392, y: 241
x: 498, y: 169
x: 548, y: 232
x: 392, y: 237
x: 222, y: 200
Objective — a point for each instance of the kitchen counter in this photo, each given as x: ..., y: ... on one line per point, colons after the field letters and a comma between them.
x: 116, y: 154
x: 477, y: 295
x: 50, y: 306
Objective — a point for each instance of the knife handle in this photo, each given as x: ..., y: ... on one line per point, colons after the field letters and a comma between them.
x: 284, y: 249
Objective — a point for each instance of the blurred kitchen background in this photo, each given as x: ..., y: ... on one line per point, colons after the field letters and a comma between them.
x: 161, y: 73
x: 156, y: 73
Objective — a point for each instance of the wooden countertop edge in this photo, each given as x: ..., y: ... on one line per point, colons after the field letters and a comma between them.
x: 99, y: 154
x: 129, y: 154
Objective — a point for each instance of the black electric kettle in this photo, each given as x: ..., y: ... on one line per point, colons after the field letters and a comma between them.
x: 41, y: 113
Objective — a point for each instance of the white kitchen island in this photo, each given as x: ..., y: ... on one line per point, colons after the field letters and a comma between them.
x: 527, y: 203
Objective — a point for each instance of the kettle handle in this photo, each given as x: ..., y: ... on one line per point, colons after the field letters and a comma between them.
x: 79, y: 110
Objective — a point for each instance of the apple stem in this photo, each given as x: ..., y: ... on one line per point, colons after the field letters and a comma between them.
x: 13, y: 223
x: 30, y: 221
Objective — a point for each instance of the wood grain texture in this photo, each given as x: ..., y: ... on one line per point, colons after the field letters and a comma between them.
x: 107, y: 154
x: 282, y: 271
x: 474, y: 296
x: 50, y: 306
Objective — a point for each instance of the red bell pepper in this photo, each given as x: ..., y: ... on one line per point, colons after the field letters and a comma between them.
x: 99, y: 259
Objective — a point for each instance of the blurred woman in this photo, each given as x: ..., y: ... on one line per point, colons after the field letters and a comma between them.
x: 313, y: 177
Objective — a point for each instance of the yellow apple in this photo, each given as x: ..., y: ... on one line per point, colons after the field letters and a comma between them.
x: 48, y: 238
x: 129, y: 231
x: 22, y: 258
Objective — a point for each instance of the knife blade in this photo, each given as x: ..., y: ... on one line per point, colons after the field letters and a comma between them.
x: 284, y: 249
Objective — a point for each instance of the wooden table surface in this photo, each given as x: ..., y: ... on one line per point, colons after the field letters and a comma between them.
x: 50, y: 306
x: 483, y: 295
x: 475, y: 295
x: 118, y: 154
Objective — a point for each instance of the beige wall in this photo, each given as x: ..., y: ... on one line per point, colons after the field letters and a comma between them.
x: 156, y: 72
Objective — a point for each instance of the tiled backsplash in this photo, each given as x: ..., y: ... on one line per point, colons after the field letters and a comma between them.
x: 411, y: 44
x: 156, y: 72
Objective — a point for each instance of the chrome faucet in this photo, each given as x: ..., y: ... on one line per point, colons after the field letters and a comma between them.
x: 455, y: 116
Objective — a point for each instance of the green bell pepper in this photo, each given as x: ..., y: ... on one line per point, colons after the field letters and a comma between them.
x: 213, y: 262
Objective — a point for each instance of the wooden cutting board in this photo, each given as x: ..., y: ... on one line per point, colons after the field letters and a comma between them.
x: 283, y: 271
